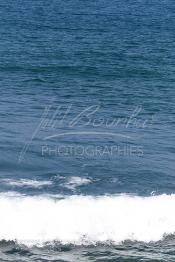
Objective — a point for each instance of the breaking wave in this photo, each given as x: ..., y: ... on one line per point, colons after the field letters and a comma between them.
x: 84, y: 220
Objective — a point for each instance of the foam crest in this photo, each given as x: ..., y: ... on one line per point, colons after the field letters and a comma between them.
x: 26, y: 182
x: 86, y: 219
x: 75, y: 181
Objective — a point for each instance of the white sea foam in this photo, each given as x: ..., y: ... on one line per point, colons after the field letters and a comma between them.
x: 26, y: 182
x: 75, y: 181
x: 86, y: 219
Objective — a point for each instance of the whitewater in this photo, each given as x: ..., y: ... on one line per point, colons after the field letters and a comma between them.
x: 85, y: 220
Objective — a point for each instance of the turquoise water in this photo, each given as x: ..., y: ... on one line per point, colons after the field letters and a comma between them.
x: 87, y: 130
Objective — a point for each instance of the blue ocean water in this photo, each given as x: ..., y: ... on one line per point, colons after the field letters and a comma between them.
x: 87, y: 110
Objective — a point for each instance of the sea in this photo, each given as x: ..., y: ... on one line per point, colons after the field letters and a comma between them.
x: 87, y: 125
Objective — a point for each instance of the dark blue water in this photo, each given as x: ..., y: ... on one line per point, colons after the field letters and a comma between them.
x: 87, y: 109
